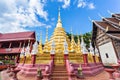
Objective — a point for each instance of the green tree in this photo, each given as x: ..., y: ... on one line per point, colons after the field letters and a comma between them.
x: 87, y: 37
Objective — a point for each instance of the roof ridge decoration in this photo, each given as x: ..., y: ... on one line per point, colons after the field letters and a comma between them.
x: 109, y: 22
x: 90, y: 19
x: 110, y: 12
x: 100, y: 15
x: 116, y: 15
x: 107, y: 19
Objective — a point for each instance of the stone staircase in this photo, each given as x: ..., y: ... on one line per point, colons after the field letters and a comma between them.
x: 59, y: 73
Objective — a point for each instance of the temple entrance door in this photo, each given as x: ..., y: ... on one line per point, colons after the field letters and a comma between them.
x: 59, y: 59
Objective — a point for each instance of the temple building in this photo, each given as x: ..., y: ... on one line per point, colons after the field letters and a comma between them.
x: 12, y: 43
x: 106, y: 37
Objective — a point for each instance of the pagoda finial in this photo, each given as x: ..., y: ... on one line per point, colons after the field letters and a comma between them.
x: 72, y: 42
x: 46, y: 47
x: 46, y: 34
x: 59, y: 24
x: 40, y: 44
x: 71, y: 30
x: 78, y: 45
x: 71, y: 33
x: 59, y: 19
x: 40, y: 36
x: 78, y: 38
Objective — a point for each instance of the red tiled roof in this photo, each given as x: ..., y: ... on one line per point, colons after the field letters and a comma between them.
x: 17, y: 36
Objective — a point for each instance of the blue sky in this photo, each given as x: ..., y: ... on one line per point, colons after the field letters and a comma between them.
x: 36, y: 15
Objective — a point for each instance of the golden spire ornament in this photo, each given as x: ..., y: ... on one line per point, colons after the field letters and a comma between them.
x: 46, y: 42
x: 72, y: 47
x: 78, y: 45
x: 59, y: 23
x: 40, y: 44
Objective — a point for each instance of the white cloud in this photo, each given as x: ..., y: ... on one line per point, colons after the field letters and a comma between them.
x: 91, y: 6
x: 83, y: 4
x: 66, y: 3
x: 15, y: 15
x: 52, y: 19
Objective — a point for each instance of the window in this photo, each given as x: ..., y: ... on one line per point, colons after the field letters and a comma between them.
x: 106, y: 55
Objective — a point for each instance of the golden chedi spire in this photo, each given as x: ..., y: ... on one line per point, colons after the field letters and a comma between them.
x: 78, y: 46
x: 59, y: 23
x: 40, y: 44
x: 72, y: 47
x: 46, y: 34
x: 59, y: 35
x: 46, y: 47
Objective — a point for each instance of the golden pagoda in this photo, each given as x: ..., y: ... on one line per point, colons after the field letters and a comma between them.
x: 73, y: 44
x: 78, y: 46
x: 59, y: 36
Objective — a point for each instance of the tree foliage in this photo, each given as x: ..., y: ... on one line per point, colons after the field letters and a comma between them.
x: 87, y: 37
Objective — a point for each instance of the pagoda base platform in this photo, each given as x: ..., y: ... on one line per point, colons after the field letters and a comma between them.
x: 90, y: 69
x: 30, y: 70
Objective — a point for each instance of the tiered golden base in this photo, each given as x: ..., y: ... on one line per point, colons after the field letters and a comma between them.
x: 43, y: 58
x: 58, y: 58
x: 75, y: 57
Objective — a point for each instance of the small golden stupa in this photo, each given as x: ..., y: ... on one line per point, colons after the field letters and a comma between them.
x: 40, y: 50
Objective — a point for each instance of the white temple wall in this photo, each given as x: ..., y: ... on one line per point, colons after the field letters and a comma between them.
x: 108, y: 54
